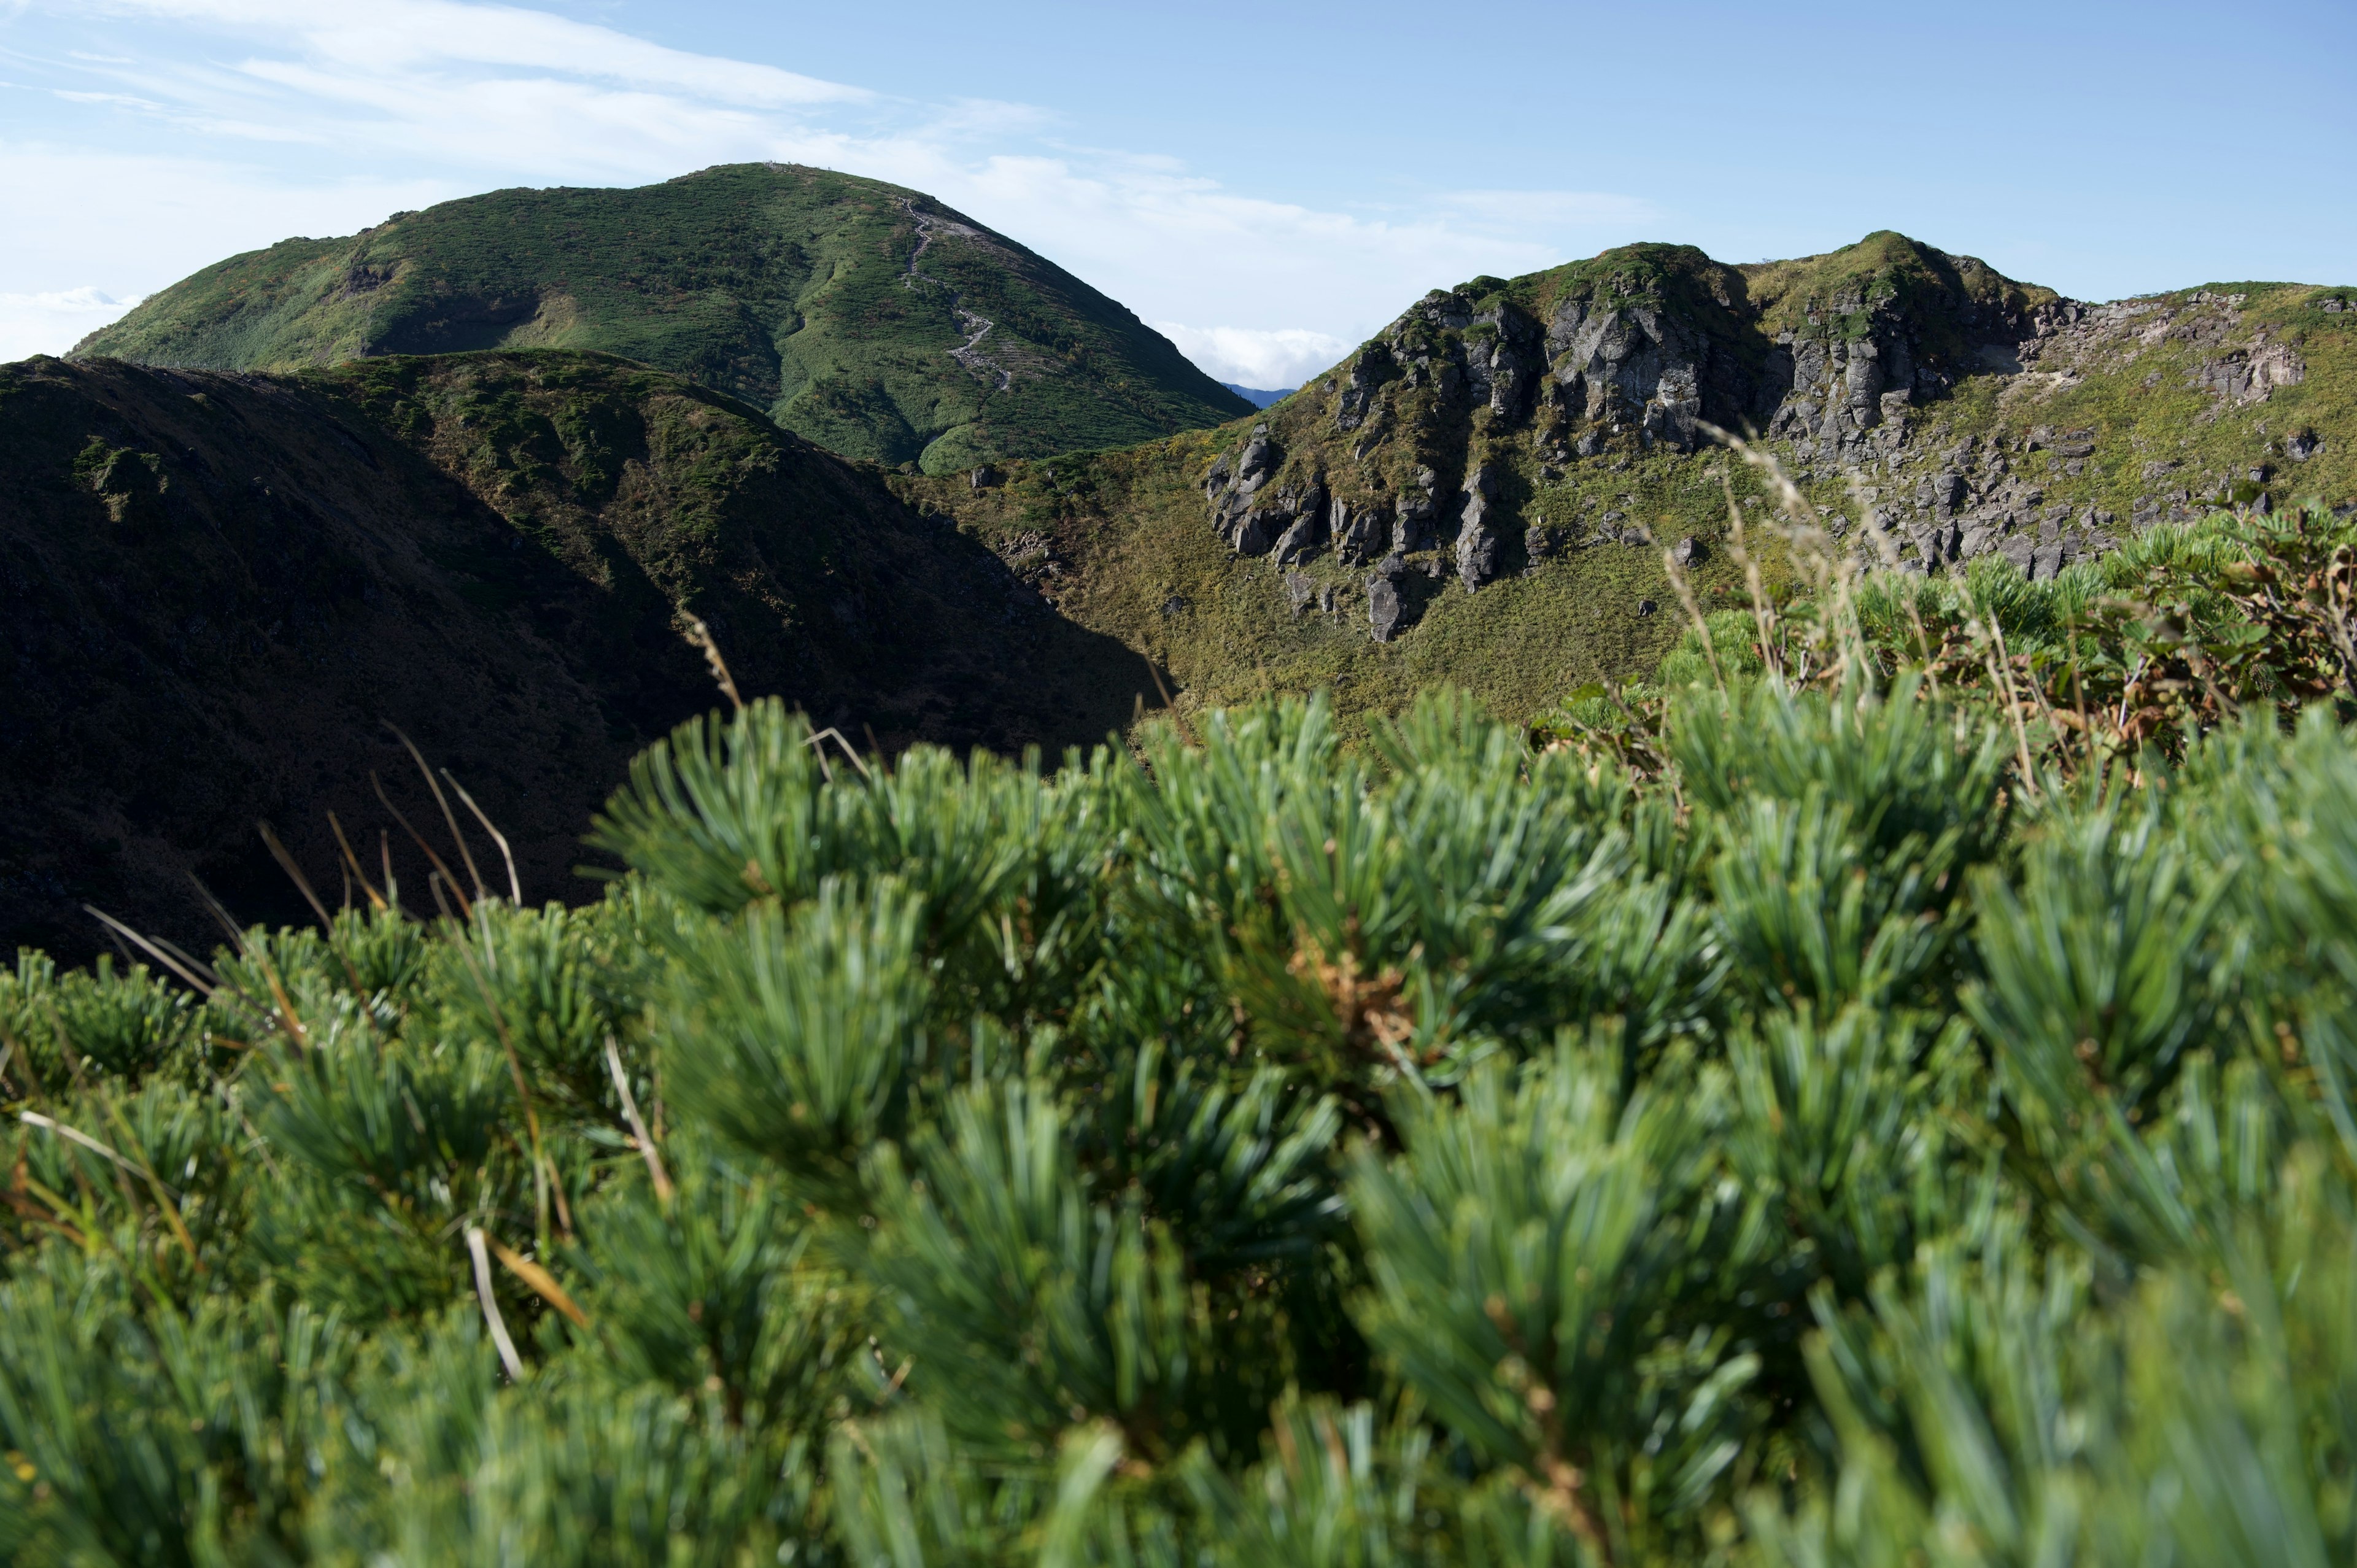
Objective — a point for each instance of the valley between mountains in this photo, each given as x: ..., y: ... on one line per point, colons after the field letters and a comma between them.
x: 481, y: 470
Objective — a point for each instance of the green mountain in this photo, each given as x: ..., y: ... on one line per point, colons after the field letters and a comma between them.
x: 217, y: 590
x: 1482, y: 495
x: 868, y: 318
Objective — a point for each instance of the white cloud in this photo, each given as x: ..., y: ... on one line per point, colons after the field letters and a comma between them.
x: 393, y: 37
x: 48, y: 323
x: 86, y: 226
x: 274, y: 102
x: 1266, y: 360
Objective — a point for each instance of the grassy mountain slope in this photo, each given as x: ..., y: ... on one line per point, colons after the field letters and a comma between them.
x: 868, y: 318
x: 1927, y: 405
x: 217, y: 587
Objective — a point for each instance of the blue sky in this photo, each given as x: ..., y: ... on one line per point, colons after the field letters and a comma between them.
x: 1265, y: 183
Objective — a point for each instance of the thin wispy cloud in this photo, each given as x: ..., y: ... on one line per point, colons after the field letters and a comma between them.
x: 274, y: 108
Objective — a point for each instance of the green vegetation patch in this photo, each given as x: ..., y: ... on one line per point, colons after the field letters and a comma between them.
x: 1826, y: 1126
x: 833, y: 303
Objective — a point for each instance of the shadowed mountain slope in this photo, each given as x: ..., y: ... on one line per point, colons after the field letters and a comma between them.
x: 216, y: 588
x: 866, y: 317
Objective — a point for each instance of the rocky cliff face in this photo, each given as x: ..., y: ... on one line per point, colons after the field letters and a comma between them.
x: 1483, y: 492
x: 1848, y: 365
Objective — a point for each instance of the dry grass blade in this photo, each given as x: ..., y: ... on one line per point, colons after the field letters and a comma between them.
x: 287, y: 1017
x: 197, y: 965
x: 652, y: 1155
x: 352, y: 865
x: 1763, y: 609
x: 1910, y: 582
x: 831, y: 733
x: 498, y: 1324
x: 287, y: 864
x: 221, y: 917
x: 1831, y: 571
x: 74, y: 1135
x: 1684, y: 590
x: 384, y: 858
x: 700, y: 635
x: 449, y: 817
x: 544, y: 1170
x: 515, y: 888
x: 417, y: 839
x: 294, y: 875
x: 179, y: 963
x: 543, y: 1283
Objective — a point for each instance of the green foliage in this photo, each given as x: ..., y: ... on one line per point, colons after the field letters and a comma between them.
x: 1813, y: 1140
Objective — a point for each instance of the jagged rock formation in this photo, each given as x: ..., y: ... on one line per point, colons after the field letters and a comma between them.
x: 1839, y: 361
x: 1953, y: 500
x: 1637, y: 351
x: 1484, y: 491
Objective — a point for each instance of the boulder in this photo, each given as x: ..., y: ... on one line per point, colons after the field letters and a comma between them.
x: 1300, y: 589
x: 985, y: 477
x: 1300, y: 541
x: 1477, y: 557
x: 1382, y: 607
x: 1253, y: 533
x: 1943, y: 493
x: 1409, y: 520
x: 1359, y: 536
x: 1689, y: 552
x: 1259, y: 461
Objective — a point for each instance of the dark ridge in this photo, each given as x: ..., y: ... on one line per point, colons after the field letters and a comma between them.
x: 218, y: 588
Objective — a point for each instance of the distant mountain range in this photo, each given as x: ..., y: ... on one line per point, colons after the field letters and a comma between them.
x: 1260, y: 397
x: 864, y: 316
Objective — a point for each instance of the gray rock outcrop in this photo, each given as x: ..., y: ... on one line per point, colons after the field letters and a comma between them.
x: 1253, y: 518
x: 1359, y: 534
x: 1476, y: 540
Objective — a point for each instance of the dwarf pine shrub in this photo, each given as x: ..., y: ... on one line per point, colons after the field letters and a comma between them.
x: 1825, y: 1144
